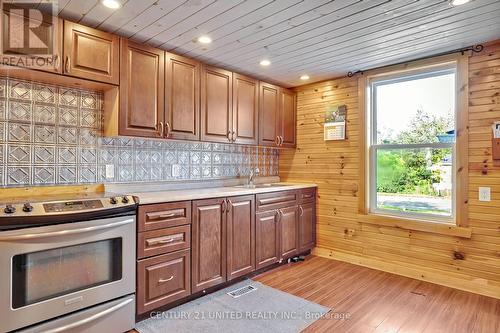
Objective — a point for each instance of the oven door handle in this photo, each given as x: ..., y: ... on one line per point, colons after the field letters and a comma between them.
x: 65, y: 232
x: 90, y: 319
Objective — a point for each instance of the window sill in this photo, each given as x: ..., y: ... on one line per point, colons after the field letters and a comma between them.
x: 418, y: 225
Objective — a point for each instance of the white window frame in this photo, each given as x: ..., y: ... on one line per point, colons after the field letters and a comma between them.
x: 373, y: 146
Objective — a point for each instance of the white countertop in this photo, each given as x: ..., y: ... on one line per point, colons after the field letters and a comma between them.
x: 153, y: 197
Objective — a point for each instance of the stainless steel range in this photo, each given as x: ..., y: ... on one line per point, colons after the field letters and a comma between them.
x: 68, y: 264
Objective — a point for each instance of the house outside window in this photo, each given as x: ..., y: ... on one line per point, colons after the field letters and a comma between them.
x: 412, y: 144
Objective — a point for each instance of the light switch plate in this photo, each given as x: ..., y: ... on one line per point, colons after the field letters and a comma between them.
x: 484, y: 194
x: 110, y: 171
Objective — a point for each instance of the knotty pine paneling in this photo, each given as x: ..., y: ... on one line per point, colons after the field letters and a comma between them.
x: 334, y: 166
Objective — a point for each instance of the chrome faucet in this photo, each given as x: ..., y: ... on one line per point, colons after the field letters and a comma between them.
x: 253, y: 173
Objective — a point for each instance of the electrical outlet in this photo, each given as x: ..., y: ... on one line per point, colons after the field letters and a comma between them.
x: 176, y: 170
x: 110, y: 171
x: 484, y: 194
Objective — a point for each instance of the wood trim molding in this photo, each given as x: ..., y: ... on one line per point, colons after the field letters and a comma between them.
x: 462, y: 142
x: 428, y: 274
x: 23, y: 192
x: 418, y: 225
x: 363, y: 179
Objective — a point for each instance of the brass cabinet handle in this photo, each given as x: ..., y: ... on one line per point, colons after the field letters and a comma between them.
x: 229, y: 204
x: 301, y: 210
x: 161, y: 129
x: 56, y: 61
x: 281, y: 140
x: 224, y: 205
x: 277, y: 141
x: 167, y: 126
x: 166, y: 280
x: 234, y: 136
x: 67, y: 64
x: 279, y: 212
x: 229, y: 136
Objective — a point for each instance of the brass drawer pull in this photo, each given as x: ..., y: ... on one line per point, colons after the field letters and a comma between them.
x: 152, y: 242
x: 165, y: 280
x: 165, y: 216
x: 301, y: 210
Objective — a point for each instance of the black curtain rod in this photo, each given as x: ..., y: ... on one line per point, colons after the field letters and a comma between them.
x: 474, y: 48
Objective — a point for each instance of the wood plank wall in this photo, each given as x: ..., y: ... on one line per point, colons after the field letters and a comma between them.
x: 341, y: 233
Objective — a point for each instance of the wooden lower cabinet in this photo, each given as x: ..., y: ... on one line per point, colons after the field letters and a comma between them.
x: 208, y: 243
x: 187, y: 247
x: 240, y: 236
x: 307, y: 226
x: 289, y: 231
x: 267, y: 239
x: 162, y: 279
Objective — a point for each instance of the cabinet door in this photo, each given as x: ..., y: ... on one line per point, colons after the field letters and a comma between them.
x: 19, y: 51
x: 268, y: 114
x: 208, y: 244
x: 240, y: 236
x: 182, y: 98
x: 216, y: 104
x: 91, y: 54
x: 307, y: 226
x: 245, y: 109
x: 287, y: 118
x: 267, y: 239
x: 162, y: 280
x: 289, y: 230
x: 141, y: 90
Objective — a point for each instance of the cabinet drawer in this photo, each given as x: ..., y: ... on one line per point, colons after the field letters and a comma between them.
x: 162, y: 280
x: 275, y: 200
x: 307, y: 195
x: 151, y: 243
x: 152, y: 217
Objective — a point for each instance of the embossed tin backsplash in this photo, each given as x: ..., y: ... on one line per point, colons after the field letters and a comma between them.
x: 52, y: 135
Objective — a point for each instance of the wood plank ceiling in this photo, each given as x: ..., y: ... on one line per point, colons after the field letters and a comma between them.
x: 321, y: 38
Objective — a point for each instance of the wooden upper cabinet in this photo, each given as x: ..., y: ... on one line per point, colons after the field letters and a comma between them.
x: 208, y: 243
x: 245, y: 109
x: 216, y: 104
x: 141, y: 90
x: 20, y: 52
x: 240, y: 236
x: 268, y: 114
x: 287, y: 118
x: 182, y: 98
x: 91, y: 54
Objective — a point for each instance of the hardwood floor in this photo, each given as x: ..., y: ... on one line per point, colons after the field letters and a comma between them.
x: 382, y: 302
x: 377, y: 301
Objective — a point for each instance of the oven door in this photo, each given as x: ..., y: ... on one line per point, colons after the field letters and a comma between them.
x: 54, y: 270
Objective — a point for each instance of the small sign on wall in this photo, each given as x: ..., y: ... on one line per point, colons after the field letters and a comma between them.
x: 335, y: 121
x: 335, y: 131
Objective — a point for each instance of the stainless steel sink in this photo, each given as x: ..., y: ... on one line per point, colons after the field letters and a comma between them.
x: 262, y: 185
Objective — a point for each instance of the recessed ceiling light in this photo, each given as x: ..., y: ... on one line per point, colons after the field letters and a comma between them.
x: 204, y: 39
x: 458, y: 2
x: 113, y: 4
x: 304, y: 77
x: 265, y: 62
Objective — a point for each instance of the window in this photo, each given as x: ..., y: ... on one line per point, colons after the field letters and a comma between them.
x: 411, y: 144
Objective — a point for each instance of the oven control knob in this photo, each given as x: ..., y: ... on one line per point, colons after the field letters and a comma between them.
x: 27, y: 207
x: 125, y: 200
x: 9, y: 209
x: 113, y: 201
